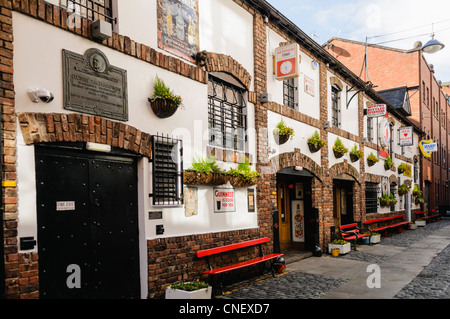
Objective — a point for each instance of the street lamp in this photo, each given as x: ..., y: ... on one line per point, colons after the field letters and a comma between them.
x: 433, y: 45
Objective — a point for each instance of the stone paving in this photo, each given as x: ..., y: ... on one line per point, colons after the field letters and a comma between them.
x: 431, y: 283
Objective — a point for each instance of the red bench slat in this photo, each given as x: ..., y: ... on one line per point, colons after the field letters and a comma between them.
x: 372, y: 221
x: 348, y: 226
x: 242, y: 264
x: 222, y: 249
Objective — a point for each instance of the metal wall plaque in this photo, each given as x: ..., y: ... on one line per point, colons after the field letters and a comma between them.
x: 93, y: 86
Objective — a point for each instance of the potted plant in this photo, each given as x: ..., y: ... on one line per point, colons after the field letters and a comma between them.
x: 355, y: 154
x: 388, y: 199
x: 372, y: 159
x: 282, y: 133
x: 375, y: 238
x: 420, y: 222
x: 417, y: 194
x: 343, y: 246
x: 315, y: 143
x: 388, y: 163
x: 392, y: 200
x: 243, y: 175
x: 339, y: 149
x: 403, y: 189
x: 412, y: 226
x: 204, y: 172
x: 189, y: 290
x: 402, y: 168
x: 164, y: 102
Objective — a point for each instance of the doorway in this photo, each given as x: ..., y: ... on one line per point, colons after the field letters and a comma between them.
x: 295, y: 216
x: 87, y: 214
x: 343, y: 202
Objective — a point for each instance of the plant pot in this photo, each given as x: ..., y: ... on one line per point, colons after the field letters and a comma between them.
x: 412, y: 226
x: 365, y: 240
x: 335, y: 252
x: 375, y: 239
x: 343, y: 249
x: 370, y: 163
x: 238, y: 181
x: 313, y: 148
x: 354, y: 158
x: 337, y: 154
x: 204, y: 293
x: 421, y: 223
x: 280, y: 139
x: 163, y: 108
x: 197, y: 178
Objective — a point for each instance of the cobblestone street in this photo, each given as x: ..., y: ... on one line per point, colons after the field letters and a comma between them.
x: 301, y: 282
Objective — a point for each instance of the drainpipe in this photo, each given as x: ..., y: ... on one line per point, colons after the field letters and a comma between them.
x: 2, y: 252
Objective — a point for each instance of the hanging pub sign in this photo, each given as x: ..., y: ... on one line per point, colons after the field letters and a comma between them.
x: 224, y: 200
x: 427, y: 147
x: 91, y: 85
x: 287, y: 62
x: 178, y: 27
x: 406, y: 136
x: 376, y: 110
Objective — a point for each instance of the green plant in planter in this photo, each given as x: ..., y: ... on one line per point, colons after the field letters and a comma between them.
x: 339, y: 147
x: 283, y: 130
x: 403, y: 189
x: 402, y: 168
x: 161, y: 90
x: 190, y: 285
x: 372, y: 159
x: 244, y: 173
x: 392, y: 199
x: 417, y: 194
x: 205, y: 166
x: 388, y: 200
x: 339, y: 242
x: 388, y: 163
x: 356, y: 153
x: 315, y: 143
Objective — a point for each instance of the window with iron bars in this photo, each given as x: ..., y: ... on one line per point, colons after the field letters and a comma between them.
x: 167, y: 171
x: 289, y: 89
x: 227, y: 119
x: 91, y: 9
x: 371, y: 198
x: 369, y: 129
x: 335, y: 106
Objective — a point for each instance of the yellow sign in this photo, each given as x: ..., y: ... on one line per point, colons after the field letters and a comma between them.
x: 9, y: 184
x: 427, y: 147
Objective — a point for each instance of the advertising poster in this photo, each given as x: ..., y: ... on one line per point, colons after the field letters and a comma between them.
x: 178, y: 27
x: 298, y: 221
x: 190, y: 201
x: 224, y: 200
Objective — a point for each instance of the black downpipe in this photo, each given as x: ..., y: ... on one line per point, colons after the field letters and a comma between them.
x: 2, y: 250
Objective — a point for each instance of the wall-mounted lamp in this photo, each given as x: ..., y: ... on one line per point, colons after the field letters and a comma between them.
x: 97, y: 147
x: 40, y: 95
x: 326, y: 125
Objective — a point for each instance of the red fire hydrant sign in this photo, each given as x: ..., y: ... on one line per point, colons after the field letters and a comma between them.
x: 287, y: 62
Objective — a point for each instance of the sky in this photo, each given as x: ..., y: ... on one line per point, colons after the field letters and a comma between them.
x: 393, y: 23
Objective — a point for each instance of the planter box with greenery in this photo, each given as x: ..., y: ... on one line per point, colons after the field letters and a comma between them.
x: 376, y: 238
x: 204, y: 172
x: 339, y: 149
x: 282, y: 133
x: 315, y: 143
x: 388, y: 200
x: 355, y: 154
x: 412, y: 226
x: 189, y: 290
x: 343, y: 246
x: 243, y: 176
x: 417, y: 194
x: 164, y: 102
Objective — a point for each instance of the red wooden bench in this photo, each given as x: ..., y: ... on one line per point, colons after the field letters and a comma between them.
x: 352, y: 233
x: 393, y: 224
x: 208, y: 253
x: 377, y: 226
x: 429, y: 215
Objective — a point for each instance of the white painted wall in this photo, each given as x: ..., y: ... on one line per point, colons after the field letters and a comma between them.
x: 38, y: 64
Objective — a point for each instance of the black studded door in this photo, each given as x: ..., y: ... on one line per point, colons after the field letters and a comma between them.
x: 87, y: 225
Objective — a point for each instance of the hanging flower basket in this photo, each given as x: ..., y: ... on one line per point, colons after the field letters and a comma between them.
x: 163, y: 108
x: 238, y: 181
x: 280, y: 139
x: 200, y: 178
x: 315, y: 143
x: 354, y: 158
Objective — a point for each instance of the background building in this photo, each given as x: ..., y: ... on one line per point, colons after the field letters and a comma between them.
x: 389, y: 69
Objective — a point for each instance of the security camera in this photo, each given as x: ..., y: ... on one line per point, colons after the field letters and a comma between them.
x: 40, y: 95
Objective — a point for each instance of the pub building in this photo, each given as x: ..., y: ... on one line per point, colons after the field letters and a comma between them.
x: 103, y: 195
